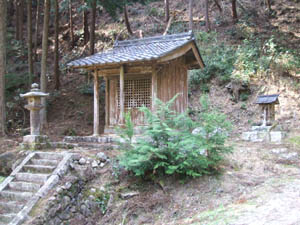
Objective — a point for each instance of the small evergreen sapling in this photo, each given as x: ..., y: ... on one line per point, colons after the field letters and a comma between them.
x: 169, y: 145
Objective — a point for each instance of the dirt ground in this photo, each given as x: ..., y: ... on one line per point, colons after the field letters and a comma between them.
x: 259, y: 184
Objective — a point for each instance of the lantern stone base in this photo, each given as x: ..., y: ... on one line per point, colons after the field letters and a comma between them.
x: 263, y: 136
x: 35, y: 142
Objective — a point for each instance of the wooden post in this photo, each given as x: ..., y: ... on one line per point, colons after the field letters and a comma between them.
x: 106, y: 101
x: 154, y: 87
x: 96, y: 104
x: 122, y: 98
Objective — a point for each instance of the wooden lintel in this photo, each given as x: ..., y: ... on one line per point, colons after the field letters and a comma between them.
x: 96, y: 104
x: 122, y: 97
x: 114, y: 65
x: 127, y: 70
x: 177, y: 53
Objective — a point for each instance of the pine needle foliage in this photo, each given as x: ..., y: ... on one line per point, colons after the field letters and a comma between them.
x: 173, y: 143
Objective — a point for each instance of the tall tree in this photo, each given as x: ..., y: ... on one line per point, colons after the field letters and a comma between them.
x: 2, y: 65
x: 21, y: 18
x: 93, y: 23
x: 234, y: 12
x: 218, y: 6
x: 56, y: 54
x: 17, y: 2
x: 29, y: 40
x: 43, y: 113
x: 37, y: 19
x: 207, y: 23
x: 167, y: 10
x: 71, y: 24
x: 126, y: 19
x: 191, y: 15
x: 268, y: 2
x: 86, y: 33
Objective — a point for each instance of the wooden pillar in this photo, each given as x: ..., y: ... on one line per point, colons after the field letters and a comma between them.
x: 96, y: 104
x: 106, y: 102
x: 122, y: 97
x: 153, y: 87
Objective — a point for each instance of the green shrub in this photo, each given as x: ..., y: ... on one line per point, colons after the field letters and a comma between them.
x: 2, y: 179
x: 219, y: 60
x: 170, y: 145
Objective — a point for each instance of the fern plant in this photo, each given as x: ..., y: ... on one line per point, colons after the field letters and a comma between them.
x: 170, y: 145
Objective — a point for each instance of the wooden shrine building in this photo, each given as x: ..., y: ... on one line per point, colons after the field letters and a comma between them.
x: 267, y: 107
x: 138, y: 71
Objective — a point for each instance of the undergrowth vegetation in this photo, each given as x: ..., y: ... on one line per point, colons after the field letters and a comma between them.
x: 253, y: 58
x: 174, y: 143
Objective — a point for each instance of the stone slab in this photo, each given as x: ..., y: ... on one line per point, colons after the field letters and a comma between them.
x: 263, y: 136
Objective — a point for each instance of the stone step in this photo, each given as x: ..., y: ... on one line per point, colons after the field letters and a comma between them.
x: 6, y: 218
x: 24, y: 186
x: 48, y: 155
x: 11, y: 206
x: 32, y: 177
x: 13, y: 195
x: 100, y: 147
x: 44, y: 162
x: 38, y: 169
x: 89, y: 139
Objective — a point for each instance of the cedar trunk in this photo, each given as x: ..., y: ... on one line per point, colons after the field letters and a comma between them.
x: 127, y: 20
x: 2, y: 65
x: 17, y: 19
x: 21, y: 19
x: 29, y: 41
x: 190, y: 14
x: 234, y: 12
x: 218, y: 6
x: 56, y: 46
x: 86, y: 33
x: 37, y: 19
x: 71, y: 24
x: 167, y: 10
x: 92, y: 34
x: 43, y: 113
x: 207, y: 23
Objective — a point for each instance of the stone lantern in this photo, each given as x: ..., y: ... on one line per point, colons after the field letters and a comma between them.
x: 35, y: 139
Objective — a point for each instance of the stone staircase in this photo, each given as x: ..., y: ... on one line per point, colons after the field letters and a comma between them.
x: 30, y: 181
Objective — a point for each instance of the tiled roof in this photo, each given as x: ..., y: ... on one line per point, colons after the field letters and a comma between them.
x: 144, y: 49
x: 267, y: 99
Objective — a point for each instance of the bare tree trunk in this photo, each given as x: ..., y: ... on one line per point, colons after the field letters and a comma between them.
x: 21, y: 19
x: 93, y: 22
x: 86, y: 32
x: 168, y: 25
x: 43, y: 114
x: 2, y: 65
x: 191, y: 15
x: 127, y: 20
x: 207, y: 23
x: 167, y: 10
x: 234, y: 12
x: 218, y: 6
x: 269, y: 5
x: 71, y: 24
x: 56, y: 54
x: 37, y: 19
x: 17, y: 19
x: 29, y: 41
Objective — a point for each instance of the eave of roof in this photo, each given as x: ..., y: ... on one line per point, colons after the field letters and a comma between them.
x: 267, y: 99
x: 137, y: 51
